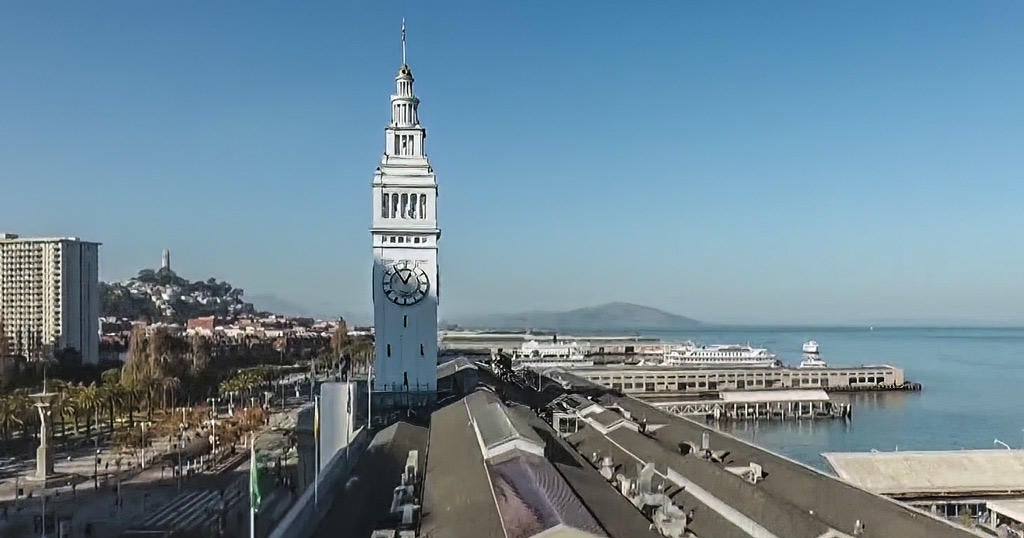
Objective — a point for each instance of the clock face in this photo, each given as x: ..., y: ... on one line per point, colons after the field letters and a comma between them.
x: 405, y: 283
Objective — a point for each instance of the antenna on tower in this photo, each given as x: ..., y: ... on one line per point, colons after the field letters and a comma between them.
x: 403, y: 40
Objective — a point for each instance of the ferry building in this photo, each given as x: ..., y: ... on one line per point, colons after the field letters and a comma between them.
x: 405, y: 234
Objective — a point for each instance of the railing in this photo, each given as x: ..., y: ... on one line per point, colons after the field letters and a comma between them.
x: 304, y: 516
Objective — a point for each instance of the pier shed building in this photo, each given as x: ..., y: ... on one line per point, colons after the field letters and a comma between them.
x: 657, y: 379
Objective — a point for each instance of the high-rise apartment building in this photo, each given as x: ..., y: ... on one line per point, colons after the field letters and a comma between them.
x: 50, y: 295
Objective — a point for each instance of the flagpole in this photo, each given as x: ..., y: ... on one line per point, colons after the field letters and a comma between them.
x: 252, y: 480
x: 348, y: 419
x: 316, y: 439
x: 369, y: 399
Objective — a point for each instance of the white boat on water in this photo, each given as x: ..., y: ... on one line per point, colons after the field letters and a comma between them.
x: 813, y: 362
x: 690, y: 354
x: 812, y: 357
x: 533, y: 349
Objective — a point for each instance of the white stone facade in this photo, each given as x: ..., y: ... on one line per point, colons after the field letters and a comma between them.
x: 405, y: 235
x: 50, y: 295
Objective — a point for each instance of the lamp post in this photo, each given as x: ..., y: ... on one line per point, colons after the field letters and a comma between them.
x: 42, y: 530
x: 213, y: 441
x: 96, y: 470
x: 181, y: 447
x: 144, y: 425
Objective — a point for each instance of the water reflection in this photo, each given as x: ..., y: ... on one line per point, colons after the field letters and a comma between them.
x: 971, y: 390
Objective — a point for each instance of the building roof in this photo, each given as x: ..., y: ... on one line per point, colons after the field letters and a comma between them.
x: 1011, y: 508
x: 613, y: 369
x: 457, y: 497
x: 366, y: 498
x: 932, y: 472
x: 761, y: 396
x: 498, y: 432
x: 735, y: 504
x: 458, y: 364
x: 832, y: 501
x: 532, y: 498
x: 14, y: 238
x: 616, y: 515
x: 522, y: 494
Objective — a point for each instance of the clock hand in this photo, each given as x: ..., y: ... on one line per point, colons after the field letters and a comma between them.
x: 405, y: 280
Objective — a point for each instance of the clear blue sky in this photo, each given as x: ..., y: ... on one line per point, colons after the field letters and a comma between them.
x: 752, y: 162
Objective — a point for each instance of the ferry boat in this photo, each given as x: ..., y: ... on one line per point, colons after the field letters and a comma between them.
x: 550, y: 355
x: 812, y: 357
x: 551, y: 350
x: 690, y: 354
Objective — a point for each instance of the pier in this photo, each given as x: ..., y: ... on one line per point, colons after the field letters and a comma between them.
x: 761, y: 405
x: 666, y: 381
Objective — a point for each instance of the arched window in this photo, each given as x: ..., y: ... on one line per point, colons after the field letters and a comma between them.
x: 405, y: 205
x: 384, y: 205
x: 389, y: 350
x: 423, y: 206
x: 412, y: 205
x: 405, y: 321
x: 394, y: 205
x: 421, y: 350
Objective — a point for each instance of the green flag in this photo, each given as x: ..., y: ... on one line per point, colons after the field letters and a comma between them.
x: 255, y: 496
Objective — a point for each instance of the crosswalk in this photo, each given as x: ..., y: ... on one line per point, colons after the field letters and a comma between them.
x: 193, y: 509
x: 227, y: 464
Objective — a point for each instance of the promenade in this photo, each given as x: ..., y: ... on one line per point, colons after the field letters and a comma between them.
x: 132, y: 497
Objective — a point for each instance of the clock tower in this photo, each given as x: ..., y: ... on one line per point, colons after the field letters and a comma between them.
x: 405, y: 273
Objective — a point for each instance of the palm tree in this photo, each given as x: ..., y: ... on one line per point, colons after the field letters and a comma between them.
x: 89, y: 402
x: 170, y: 385
x: 12, y: 409
x: 130, y: 396
x: 62, y: 405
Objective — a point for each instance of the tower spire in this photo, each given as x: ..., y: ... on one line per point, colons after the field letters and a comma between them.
x: 403, y: 40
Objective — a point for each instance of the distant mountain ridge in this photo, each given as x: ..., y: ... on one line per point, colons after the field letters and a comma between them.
x: 615, y: 316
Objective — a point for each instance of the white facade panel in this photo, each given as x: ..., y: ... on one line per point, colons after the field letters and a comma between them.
x: 336, y: 411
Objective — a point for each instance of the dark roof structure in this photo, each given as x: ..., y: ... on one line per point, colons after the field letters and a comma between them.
x: 579, y: 460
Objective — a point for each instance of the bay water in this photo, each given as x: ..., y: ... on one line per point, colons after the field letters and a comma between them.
x: 973, y: 393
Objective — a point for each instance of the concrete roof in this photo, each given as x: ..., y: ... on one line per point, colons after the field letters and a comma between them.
x: 532, y: 498
x: 457, y: 497
x: 366, y: 498
x: 932, y: 472
x: 794, y: 395
x: 1011, y: 508
x: 710, y: 486
x: 468, y: 495
x: 832, y: 501
x: 446, y: 369
x: 618, y: 517
x: 499, y: 432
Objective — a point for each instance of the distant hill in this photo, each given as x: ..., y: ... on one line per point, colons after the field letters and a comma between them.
x: 601, y: 318
x: 165, y: 296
